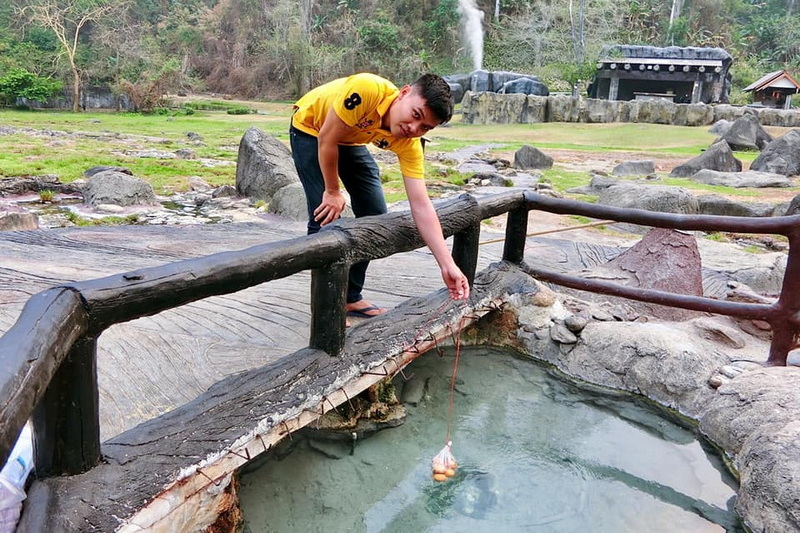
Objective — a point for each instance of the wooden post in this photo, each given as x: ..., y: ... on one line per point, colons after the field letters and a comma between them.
x: 785, y: 331
x: 465, y: 250
x: 66, y: 424
x: 328, y: 300
x: 516, y: 230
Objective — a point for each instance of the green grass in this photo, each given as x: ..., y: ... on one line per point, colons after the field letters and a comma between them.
x: 586, y: 137
x: 84, y: 140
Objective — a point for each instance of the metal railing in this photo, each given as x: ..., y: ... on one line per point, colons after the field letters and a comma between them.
x: 49, y: 355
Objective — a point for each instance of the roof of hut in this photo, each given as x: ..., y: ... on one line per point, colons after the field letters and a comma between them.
x: 778, y: 79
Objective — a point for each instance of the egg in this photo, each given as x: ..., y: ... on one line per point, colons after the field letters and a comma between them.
x: 439, y: 477
x: 449, y: 472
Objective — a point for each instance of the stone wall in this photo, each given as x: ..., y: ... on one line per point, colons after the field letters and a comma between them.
x: 493, y: 108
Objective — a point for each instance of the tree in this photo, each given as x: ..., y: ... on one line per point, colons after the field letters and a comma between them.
x: 67, y: 19
x: 19, y: 83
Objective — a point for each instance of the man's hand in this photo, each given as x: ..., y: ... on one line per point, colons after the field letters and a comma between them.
x: 331, y: 208
x: 456, y: 282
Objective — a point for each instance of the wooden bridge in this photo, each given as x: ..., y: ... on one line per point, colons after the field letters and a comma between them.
x: 177, y: 322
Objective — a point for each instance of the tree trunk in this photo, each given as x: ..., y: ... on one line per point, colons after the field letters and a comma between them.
x: 76, y: 89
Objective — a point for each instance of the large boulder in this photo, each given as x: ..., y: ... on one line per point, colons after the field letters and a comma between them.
x: 264, y: 165
x: 746, y: 134
x: 117, y: 188
x: 530, y: 157
x: 658, y: 198
x: 714, y: 204
x: 14, y: 218
x: 634, y: 168
x: 748, y: 178
x: 718, y: 157
x: 663, y: 260
x: 781, y: 156
x: 524, y: 86
x: 290, y: 202
x: 493, y: 108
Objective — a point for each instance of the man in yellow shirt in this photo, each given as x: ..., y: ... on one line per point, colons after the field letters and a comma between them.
x: 330, y: 128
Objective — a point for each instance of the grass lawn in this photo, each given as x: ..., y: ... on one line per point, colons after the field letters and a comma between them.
x: 65, y: 144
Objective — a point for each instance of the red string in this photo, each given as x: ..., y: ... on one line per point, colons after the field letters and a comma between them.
x: 457, y: 342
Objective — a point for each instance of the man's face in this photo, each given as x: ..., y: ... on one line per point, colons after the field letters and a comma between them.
x: 409, y: 115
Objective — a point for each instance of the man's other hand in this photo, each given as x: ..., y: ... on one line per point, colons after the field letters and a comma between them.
x: 331, y: 207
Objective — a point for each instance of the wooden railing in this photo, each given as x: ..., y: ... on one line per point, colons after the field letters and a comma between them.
x: 49, y: 355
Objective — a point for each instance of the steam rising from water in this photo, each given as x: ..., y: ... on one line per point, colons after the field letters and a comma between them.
x: 472, y: 30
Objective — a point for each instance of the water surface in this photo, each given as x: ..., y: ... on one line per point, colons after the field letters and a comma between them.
x: 535, y: 454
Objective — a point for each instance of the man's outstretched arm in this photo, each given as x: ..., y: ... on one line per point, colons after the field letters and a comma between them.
x: 430, y: 229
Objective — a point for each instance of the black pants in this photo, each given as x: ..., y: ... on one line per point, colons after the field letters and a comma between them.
x: 361, y: 178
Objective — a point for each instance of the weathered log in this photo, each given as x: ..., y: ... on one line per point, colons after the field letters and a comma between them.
x: 465, y: 250
x: 31, y: 352
x: 516, y: 230
x: 328, y: 301
x: 148, y: 291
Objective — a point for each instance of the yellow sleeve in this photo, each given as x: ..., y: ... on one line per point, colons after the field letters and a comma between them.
x: 411, y: 158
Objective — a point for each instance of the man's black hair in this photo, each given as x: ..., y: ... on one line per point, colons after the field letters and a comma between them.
x: 436, y: 93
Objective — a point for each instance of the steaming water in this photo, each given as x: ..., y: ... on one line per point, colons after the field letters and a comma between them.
x: 472, y: 30
x: 535, y: 453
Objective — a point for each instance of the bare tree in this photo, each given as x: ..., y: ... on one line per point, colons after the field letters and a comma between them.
x: 578, y: 42
x: 66, y: 19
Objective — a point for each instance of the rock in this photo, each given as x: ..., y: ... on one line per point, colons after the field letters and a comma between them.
x: 576, y: 323
x: 781, y: 156
x: 491, y: 179
x: 17, y: 219
x: 663, y: 260
x: 718, y: 157
x: 714, y: 204
x: 264, y: 166
x: 715, y: 330
x: 198, y: 184
x: 224, y: 191
x: 524, y: 86
x: 651, y: 197
x: 414, y: 390
x: 186, y: 153
x: 112, y: 187
x: 794, y: 206
x: 530, y: 157
x: 747, y: 178
x: 290, y: 202
x: 109, y: 208
x: 746, y: 134
x: 634, y: 168
x: 561, y: 334
x: 720, y: 127
x: 101, y: 168
x: 331, y: 449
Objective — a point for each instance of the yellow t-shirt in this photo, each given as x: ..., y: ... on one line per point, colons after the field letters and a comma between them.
x: 361, y: 101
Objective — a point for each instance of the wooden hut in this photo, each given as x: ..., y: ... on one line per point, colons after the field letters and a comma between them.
x: 774, y: 90
x: 679, y: 74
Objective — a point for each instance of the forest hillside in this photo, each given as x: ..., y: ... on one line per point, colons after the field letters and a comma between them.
x: 277, y: 49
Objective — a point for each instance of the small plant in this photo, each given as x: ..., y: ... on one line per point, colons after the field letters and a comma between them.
x: 47, y: 196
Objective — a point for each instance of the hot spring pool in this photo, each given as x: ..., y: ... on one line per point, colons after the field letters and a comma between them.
x: 535, y: 453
